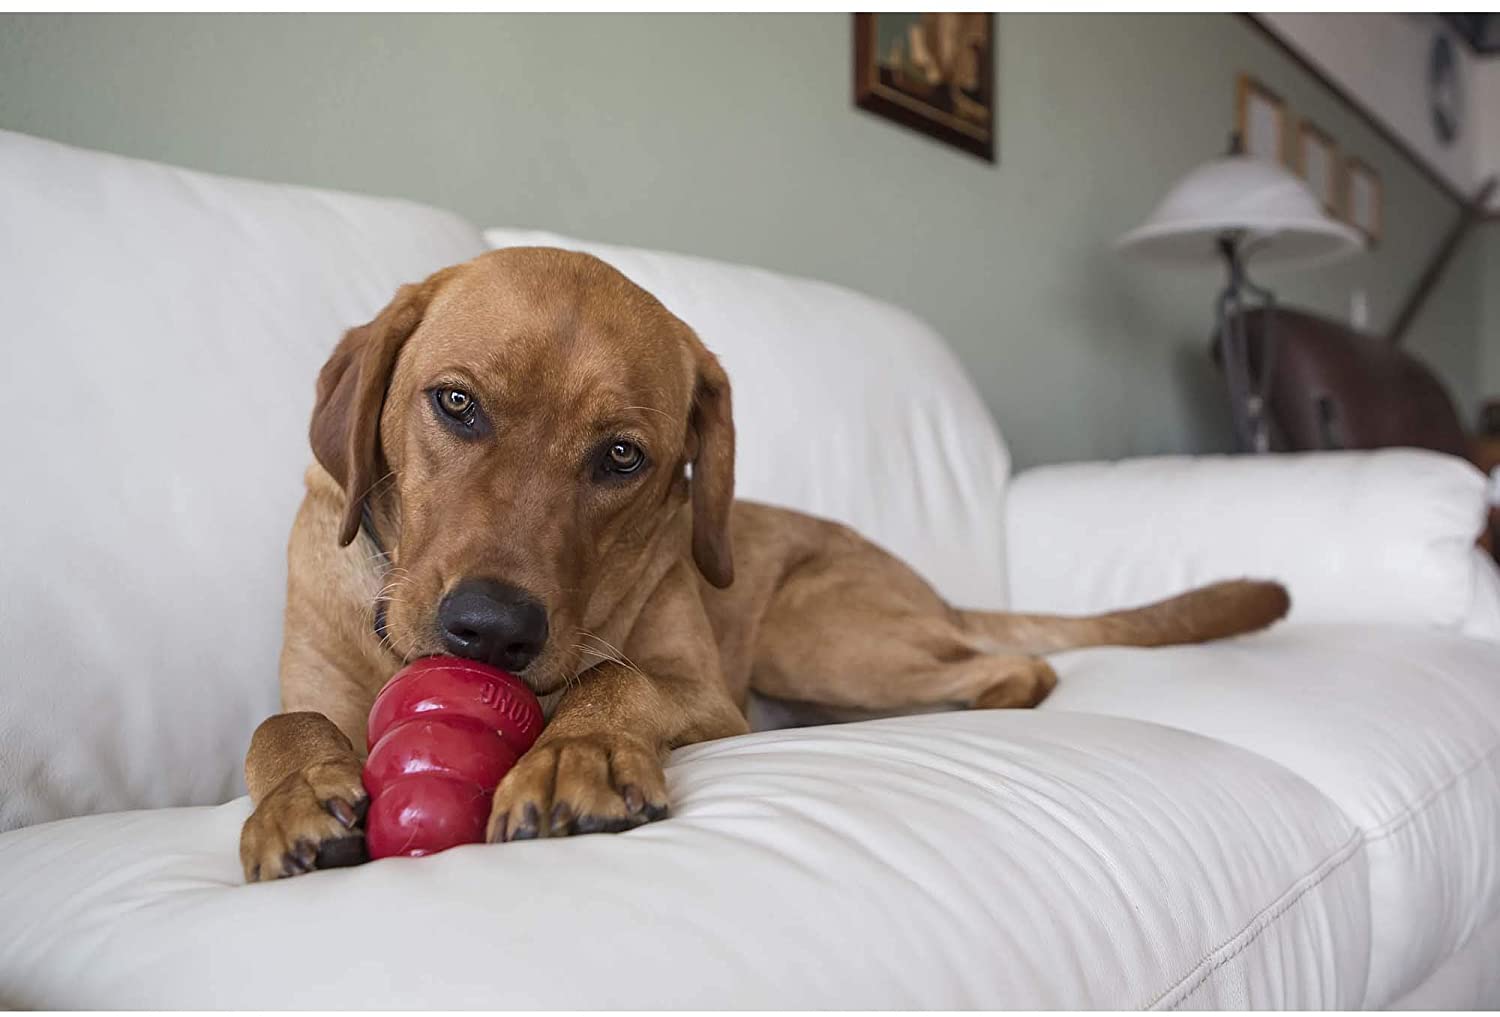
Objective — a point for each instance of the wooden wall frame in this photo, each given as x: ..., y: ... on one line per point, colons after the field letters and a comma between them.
x: 882, y: 97
x: 1354, y: 104
x: 1248, y: 92
x: 1374, y: 228
x: 1310, y: 135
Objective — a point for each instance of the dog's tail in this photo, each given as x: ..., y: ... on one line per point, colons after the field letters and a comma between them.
x: 1216, y: 611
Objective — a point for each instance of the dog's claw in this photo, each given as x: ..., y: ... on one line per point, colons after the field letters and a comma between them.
x: 530, y: 828
x: 342, y: 811
x: 299, y: 859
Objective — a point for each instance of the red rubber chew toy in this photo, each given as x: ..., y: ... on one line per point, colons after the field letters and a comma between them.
x: 441, y: 735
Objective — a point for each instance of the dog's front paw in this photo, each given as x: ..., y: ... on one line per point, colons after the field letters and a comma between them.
x: 311, y: 820
x: 593, y: 784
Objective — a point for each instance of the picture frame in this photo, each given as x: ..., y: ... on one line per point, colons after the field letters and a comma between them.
x: 1317, y: 162
x: 1260, y: 120
x: 931, y: 72
x: 1364, y: 199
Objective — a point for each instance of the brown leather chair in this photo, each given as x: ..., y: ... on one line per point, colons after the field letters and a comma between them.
x: 1337, y: 388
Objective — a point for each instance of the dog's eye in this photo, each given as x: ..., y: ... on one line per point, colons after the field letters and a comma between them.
x: 622, y: 458
x: 455, y: 404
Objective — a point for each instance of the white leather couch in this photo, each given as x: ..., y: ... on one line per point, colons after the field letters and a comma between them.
x: 1307, y: 817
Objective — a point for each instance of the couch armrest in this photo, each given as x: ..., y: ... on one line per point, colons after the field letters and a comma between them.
x: 1387, y: 535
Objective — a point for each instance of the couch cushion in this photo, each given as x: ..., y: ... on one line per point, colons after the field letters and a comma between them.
x: 1468, y: 980
x: 163, y: 330
x: 980, y: 859
x: 1382, y: 536
x: 846, y: 407
x: 1400, y: 726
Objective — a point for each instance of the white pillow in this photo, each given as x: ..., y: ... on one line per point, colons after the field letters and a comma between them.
x: 846, y: 407
x: 1355, y: 536
x: 163, y: 330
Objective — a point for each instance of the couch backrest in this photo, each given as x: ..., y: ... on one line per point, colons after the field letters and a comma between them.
x: 846, y: 407
x: 163, y: 329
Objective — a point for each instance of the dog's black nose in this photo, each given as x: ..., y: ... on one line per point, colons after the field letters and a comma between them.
x: 483, y: 619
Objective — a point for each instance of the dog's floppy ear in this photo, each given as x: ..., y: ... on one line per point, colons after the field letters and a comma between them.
x: 351, y: 392
x: 711, y: 450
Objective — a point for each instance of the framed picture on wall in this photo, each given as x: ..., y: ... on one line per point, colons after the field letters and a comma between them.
x: 934, y: 73
x: 1260, y: 119
x: 1317, y: 162
x: 1363, y: 199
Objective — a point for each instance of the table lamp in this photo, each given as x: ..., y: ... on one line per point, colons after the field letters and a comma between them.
x: 1242, y: 211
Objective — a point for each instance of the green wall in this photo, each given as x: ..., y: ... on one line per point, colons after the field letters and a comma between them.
x: 734, y: 136
x: 1486, y: 245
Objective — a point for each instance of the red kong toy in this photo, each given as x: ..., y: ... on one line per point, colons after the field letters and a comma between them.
x: 442, y: 733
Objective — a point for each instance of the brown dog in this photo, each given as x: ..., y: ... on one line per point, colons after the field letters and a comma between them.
x: 502, y: 473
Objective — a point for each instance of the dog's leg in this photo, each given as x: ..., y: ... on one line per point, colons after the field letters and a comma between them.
x: 985, y: 681
x: 304, y: 778
x: 884, y: 675
x: 597, y: 766
x: 859, y: 631
x: 303, y: 767
x: 863, y: 635
x: 853, y: 628
x: 1023, y: 683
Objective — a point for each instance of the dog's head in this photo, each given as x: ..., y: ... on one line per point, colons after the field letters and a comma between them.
x: 525, y: 420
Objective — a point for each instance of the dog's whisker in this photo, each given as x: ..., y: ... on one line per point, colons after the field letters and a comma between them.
x: 617, y: 656
x: 651, y: 409
x: 595, y: 652
x: 396, y: 582
x: 389, y: 476
x: 601, y: 657
x: 607, y: 644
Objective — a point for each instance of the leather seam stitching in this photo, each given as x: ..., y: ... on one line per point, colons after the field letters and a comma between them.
x: 1394, y: 824
x: 1361, y: 838
x: 1262, y: 921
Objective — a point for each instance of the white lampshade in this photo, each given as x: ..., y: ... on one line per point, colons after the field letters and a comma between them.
x: 1279, y: 221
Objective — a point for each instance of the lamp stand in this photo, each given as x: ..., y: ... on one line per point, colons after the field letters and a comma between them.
x: 1248, y: 396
